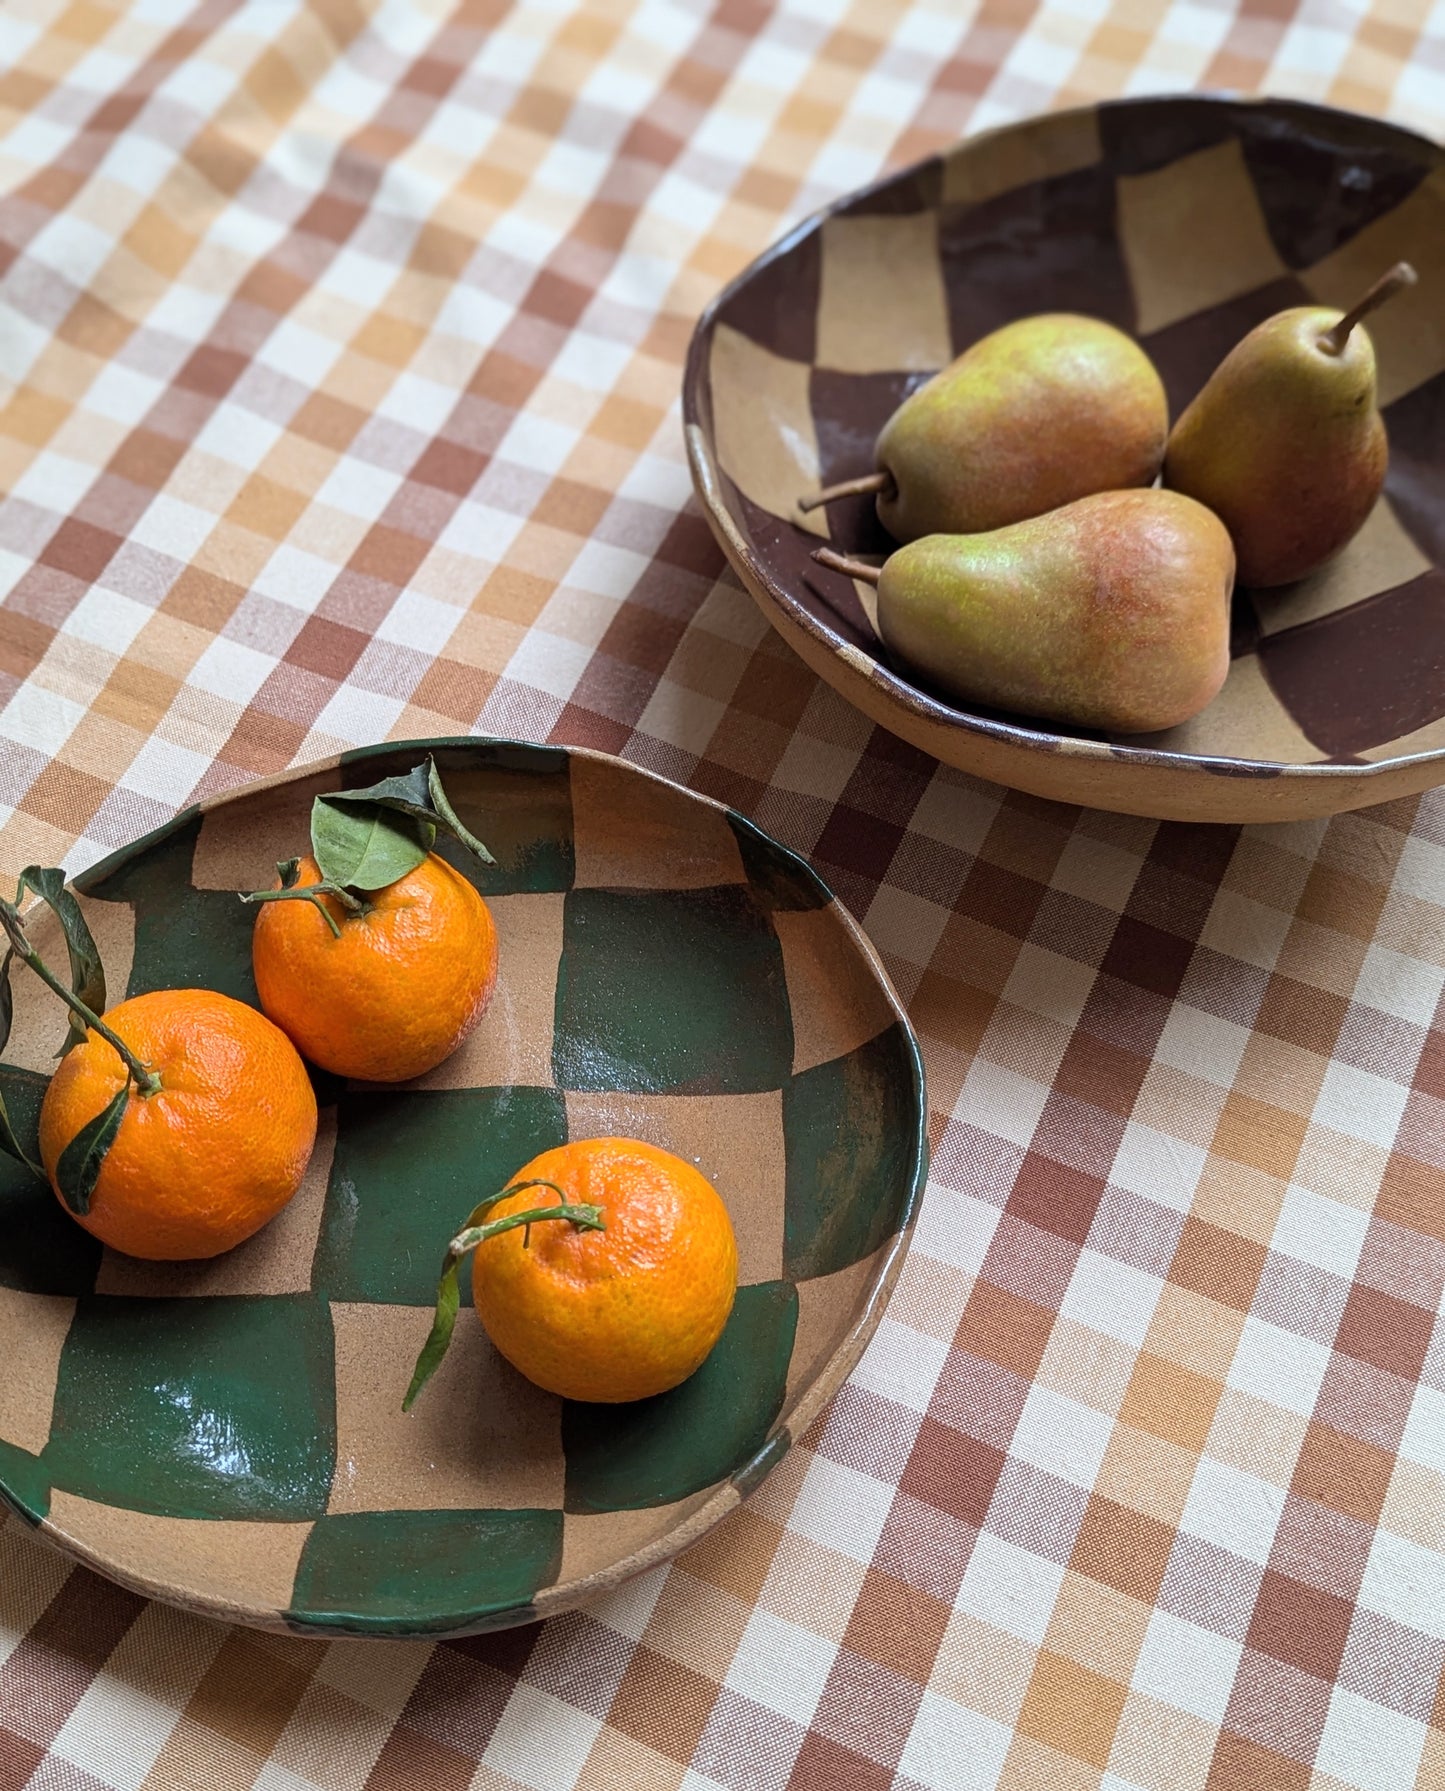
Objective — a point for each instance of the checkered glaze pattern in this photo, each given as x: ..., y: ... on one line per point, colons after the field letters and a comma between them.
x: 1140, y: 1486
x: 1186, y: 222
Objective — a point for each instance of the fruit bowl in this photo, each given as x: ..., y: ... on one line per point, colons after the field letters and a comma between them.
x: 1185, y: 221
x: 228, y: 1435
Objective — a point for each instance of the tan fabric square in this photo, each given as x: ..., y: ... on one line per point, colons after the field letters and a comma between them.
x: 480, y: 1436
x: 811, y: 1584
x: 226, y: 1561
x: 512, y: 1043
x: 1147, y: 1473
x: 1257, y: 1436
x: 1246, y: 720
x: 829, y: 1306
x: 735, y: 1140
x: 276, y: 1261
x: 1156, y: 1741
x: 1380, y: 557
x: 642, y: 833
x: 763, y: 426
x: 278, y: 826
x: 38, y: 1028
x: 33, y: 1329
x: 982, y: 1668
x: 1193, y: 236
x: 1098, y: 1625
x: 881, y: 303
x: 836, y: 1007
x: 594, y: 1542
x: 1409, y: 332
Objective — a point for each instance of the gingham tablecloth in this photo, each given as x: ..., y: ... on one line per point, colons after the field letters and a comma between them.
x: 339, y: 358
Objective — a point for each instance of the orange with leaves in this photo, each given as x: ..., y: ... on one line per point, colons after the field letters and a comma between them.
x: 397, y: 986
x: 373, y: 954
x: 208, y: 1147
x: 613, y: 1283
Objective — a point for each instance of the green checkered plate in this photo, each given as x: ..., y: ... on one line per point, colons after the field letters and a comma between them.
x: 228, y: 1435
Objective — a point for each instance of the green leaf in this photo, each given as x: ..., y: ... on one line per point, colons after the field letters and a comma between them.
x: 449, y: 1298
x: 12, y: 1146
x: 7, y: 1000
x: 447, y: 815
x: 78, y: 1169
x: 360, y: 846
x: 420, y: 795
x: 87, y: 974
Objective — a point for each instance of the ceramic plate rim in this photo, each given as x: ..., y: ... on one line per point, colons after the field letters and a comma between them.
x: 726, y: 1496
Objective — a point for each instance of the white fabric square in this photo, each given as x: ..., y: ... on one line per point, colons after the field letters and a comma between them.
x: 781, y: 1666
x: 1315, y: 1229
x: 1061, y: 1435
x: 1000, y: 1101
x: 953, y: 1748
x: 1368, y: 1746
x: 1160, y: 1168
x: 1232, y: 1509
x: 1278, y: 1366
x: 1406, y: 1582
x: 1360, y: 1104
x: 901, y: 1364
x: 1011, y: 1588
x: 1186, y: 1666
x: 541, y: 1741
x: 1202, y: 1044
x: 1111, y: 1297
x: 841, y: 1508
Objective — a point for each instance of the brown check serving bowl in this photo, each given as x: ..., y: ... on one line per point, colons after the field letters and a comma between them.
x: 1184, y: 221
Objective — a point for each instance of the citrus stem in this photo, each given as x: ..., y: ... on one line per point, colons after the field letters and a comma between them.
x: 145, y: 1079
x: 837, y: 562
x: 880, y: 482
x: 312, y: 892
x: 1394, y: 280
x: 475, y: 1232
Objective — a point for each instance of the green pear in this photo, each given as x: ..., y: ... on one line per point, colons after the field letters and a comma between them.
x: 1110, y: 613
x: 1038, y: 413
x: 1286, y: 443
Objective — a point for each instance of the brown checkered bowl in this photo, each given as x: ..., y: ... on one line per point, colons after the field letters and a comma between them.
x: 228, y: 1435
x: 1185, y: 221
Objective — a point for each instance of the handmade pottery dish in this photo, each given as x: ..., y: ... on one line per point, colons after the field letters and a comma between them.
x: 1184, y: 221
x: 228, y: 1435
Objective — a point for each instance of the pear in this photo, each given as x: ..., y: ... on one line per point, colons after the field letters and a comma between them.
x: 1286, y: 443
x: 1040, y: 412
x: 1110, y: 613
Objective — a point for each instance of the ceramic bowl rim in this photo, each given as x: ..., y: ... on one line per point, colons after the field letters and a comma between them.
x: 897, y: 690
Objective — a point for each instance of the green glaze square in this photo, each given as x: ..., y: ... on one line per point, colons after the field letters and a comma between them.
x: 779, y: 878
x: 408, y: 1169
x: 185, y: 938
x: 42, y: 1251
x: 671, y: 992
x: 624, y: 1457
x: 517, y: 799
x: 206, y: 1407
x: 24, y: 1483
x: 853, y: 1152
x: 414, y: 1571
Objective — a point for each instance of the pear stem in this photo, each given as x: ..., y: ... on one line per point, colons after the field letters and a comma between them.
x: 860, y: 487
x: 837, y: 562
x: 1394, y: 280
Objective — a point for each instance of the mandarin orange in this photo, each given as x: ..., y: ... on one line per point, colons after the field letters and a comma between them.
x: 216, y: 1151
x: 615, y: 1314
x: 397, y: 991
